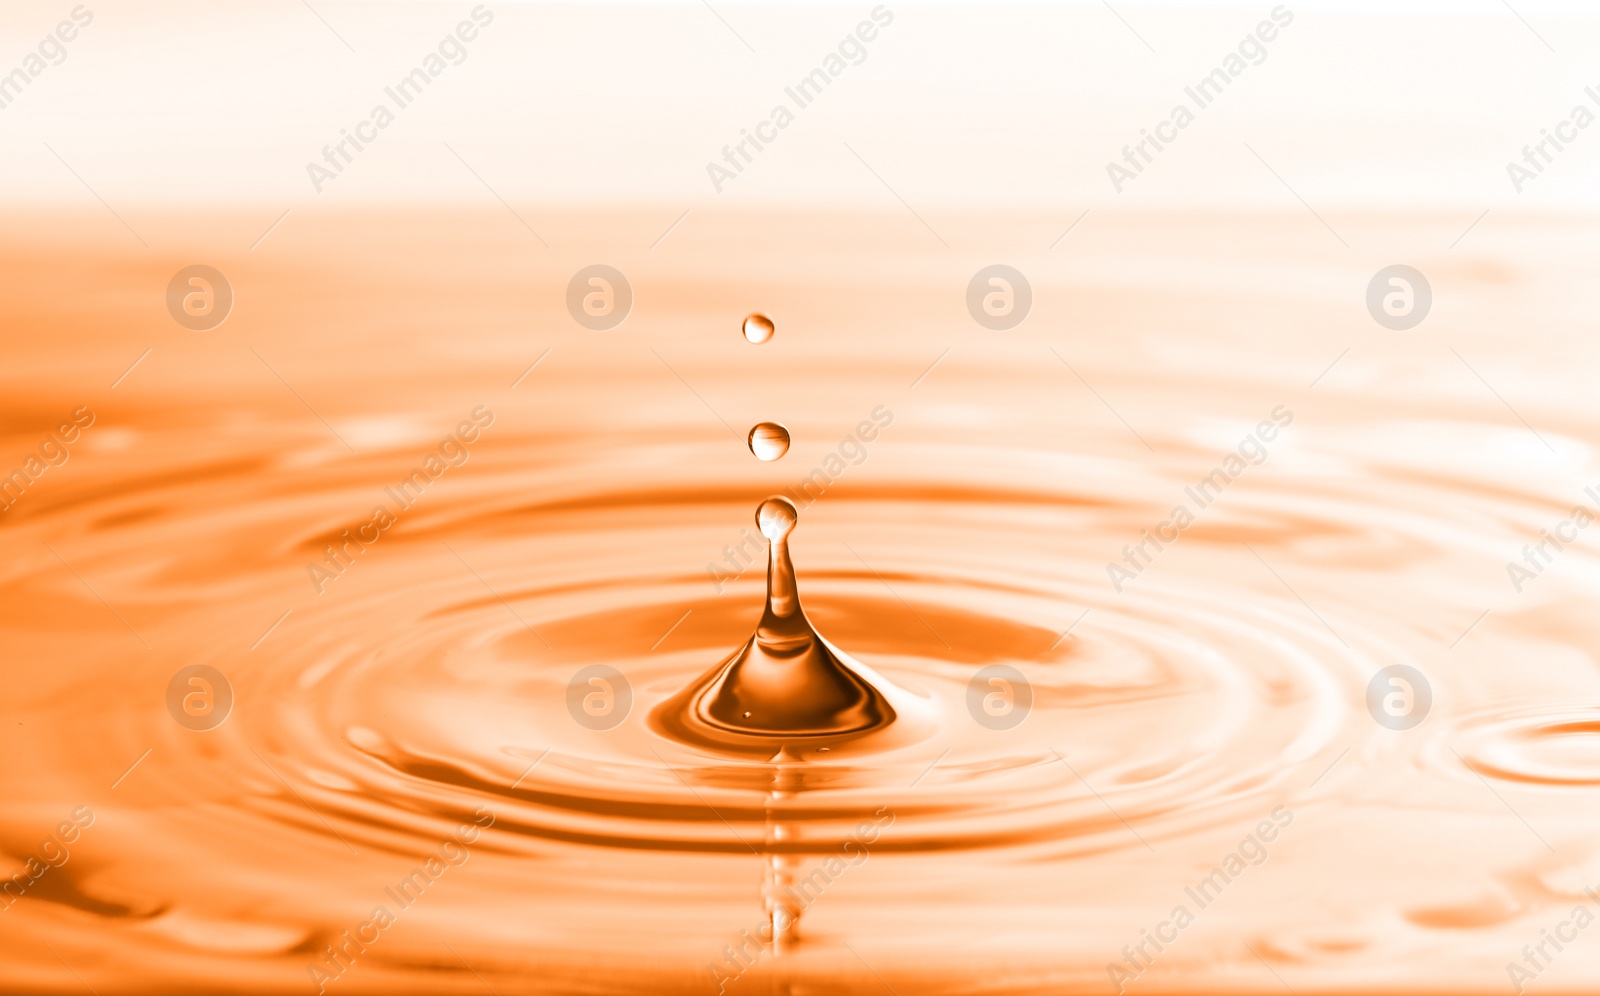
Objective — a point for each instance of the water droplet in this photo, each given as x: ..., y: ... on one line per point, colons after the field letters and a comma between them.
x: 758, y: 328
x: 776, y: 519
x: 769, y: 441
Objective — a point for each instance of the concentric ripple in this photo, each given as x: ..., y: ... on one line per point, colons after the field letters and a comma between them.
x: 1159, y: 721
x: 502, y: 655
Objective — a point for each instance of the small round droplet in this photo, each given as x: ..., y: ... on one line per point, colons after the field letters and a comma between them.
x: 769, y: 441
x: 776, y: 518
x: 758, y: 328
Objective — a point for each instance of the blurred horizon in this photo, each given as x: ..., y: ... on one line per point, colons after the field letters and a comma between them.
x: 1016, y: 106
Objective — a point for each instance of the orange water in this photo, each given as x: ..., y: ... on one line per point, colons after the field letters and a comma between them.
x: 407, y: 706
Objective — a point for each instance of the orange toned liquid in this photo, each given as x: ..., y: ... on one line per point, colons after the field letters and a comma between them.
x: 405, y: 734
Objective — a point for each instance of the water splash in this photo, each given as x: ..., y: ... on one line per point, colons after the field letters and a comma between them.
x: 407, y: 696
x: 787, y: 688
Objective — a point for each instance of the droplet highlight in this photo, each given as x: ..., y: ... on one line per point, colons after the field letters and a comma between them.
x: 769, y: 441
x: 758, y: 328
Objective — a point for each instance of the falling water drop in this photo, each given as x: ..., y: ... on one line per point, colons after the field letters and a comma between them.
x: 758, y: 328
x: 769, y: 440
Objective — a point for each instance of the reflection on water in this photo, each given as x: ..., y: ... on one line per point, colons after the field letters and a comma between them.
x: 470, y: 662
